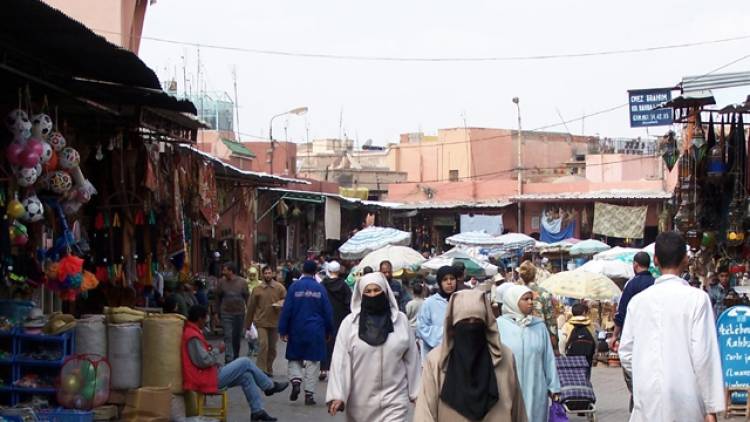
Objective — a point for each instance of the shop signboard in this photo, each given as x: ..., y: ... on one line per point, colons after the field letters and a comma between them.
x: 734, y: 345
x: 642, y: 104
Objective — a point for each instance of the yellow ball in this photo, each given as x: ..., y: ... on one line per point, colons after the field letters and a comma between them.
x: 732, y: 236
x: 15, y: 209
x: 71, y: 383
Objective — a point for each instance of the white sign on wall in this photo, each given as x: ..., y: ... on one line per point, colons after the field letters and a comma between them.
x: 492, y: 224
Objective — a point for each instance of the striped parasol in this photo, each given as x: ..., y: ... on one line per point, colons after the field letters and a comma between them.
x: 475, y: 238
x: 515, y: 241
x: 371, y: 239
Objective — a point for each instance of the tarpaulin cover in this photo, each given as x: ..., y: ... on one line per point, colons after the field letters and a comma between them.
x: 124, y: 353
x: 619, y: 221
x: 162, y: 366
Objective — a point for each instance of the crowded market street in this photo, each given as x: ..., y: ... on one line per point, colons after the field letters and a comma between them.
x: 611, y: 396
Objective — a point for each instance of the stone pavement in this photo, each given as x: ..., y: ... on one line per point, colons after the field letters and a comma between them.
x: 612, y: 398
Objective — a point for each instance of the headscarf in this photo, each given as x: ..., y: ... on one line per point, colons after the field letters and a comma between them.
x: 442, y: 272
x: 376, y: 314
x: 510, y: 304
x: 500, y: 291
x: 469, y: 353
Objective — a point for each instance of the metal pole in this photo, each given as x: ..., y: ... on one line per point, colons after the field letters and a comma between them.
x: 270, y: 136
x: 520, y: 166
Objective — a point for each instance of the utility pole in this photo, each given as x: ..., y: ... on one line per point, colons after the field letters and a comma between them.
x: 520, y: 165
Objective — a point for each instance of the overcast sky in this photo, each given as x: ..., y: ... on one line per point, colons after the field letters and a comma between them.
x: 380, y: 100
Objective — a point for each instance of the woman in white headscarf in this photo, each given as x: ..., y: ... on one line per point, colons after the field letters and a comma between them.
x: 375, y: 366
x: 528, y: 338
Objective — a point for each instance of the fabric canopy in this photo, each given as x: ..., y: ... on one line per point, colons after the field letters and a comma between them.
x: 401, y: 258
x: 619, y: 221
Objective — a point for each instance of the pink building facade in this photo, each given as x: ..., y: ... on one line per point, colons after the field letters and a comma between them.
x: 119, y: 21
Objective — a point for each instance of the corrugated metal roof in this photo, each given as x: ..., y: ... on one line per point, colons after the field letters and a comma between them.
x: 454, y: 204
x: 594, y: 195
x: 259, y: 176
x: 237, y: 148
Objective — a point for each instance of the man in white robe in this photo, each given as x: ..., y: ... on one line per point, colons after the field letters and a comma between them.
x: 669, y: 343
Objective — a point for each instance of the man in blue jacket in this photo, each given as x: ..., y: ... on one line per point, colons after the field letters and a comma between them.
x: 306, y: 323
x: 642, y: 281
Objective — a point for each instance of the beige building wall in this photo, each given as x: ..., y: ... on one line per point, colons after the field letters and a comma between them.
x: 119, y: 21
x: 483, y: 153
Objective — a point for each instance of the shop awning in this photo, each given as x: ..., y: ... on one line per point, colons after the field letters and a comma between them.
x: 237, y: 148
x: 43, y: 45
x: 228, y: 171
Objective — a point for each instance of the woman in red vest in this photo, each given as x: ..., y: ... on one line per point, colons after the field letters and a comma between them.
x: 201, y: 372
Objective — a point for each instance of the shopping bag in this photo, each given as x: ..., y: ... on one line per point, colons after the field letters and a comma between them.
x: 252, y: 333
x: 557, y: 412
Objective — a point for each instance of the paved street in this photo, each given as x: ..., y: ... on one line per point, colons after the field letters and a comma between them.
x: 610, y: 388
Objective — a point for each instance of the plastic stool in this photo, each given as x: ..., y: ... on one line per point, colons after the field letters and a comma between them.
x: 221, y: 413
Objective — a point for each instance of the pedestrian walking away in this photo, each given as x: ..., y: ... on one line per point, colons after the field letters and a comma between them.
x: 528, y: 338
x: 201, y: 373
x: 264, y: 310
x: 470, y: 376
x: 340, y: 296
x: 375, y: 367
x: 642, y: 281
x: 232, y: 296
x: 306, y: 322
x: 669, y: 344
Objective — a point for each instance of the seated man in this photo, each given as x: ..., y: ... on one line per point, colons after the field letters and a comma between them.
x: 201, y: 373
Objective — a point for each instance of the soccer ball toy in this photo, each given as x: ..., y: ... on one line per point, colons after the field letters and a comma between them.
x: 33, y: 209
x: 41, y: 125
x: 57, y: 141
x: 69, y: 158
x: 17, y: 121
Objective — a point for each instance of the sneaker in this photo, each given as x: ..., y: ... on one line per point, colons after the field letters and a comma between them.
x: 277, y: 388
x: 262, y: 415
x: 309, y: 400
x: 295, y: 391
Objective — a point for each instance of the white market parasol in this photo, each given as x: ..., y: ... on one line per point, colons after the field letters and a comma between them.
x: 514, y: 241
x: 475, y: 238
x: 588, y: 247
x: 609, y: 268
x: 371, y: 239
x: 401, y: 257
x: 581, y: 285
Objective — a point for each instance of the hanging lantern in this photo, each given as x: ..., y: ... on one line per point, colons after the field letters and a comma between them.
x: 698, y: 141
x: 735, y: 231
x: 716, y: 167
x: 671, y: 153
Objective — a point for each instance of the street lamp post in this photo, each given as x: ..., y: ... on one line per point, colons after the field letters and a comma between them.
x: 299, y: 111
x: 520, y: 165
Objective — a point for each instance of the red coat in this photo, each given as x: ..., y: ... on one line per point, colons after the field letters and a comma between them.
x: 202, y: 380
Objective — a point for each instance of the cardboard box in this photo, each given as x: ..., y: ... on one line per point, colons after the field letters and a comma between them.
x: 105, y: 413
x: 148, y: 404
x: 117, y: 396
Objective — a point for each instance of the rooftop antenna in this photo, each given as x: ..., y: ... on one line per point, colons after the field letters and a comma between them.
x: 341, y: 122
x: 570, y: 134
x: 236, y: 101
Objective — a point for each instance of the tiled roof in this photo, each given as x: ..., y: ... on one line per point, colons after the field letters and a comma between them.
x: 594, y: 195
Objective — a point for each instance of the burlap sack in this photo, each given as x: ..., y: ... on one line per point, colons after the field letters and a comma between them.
x: 91, y: 336
x: 162, y: 364
x: 124, y: 354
